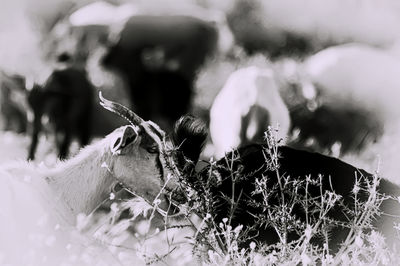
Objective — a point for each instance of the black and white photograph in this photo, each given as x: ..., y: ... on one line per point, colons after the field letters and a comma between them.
x: 199, y: 132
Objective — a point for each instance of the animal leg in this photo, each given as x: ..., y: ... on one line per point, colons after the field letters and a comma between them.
x: 84, y: 135
x: 63, y: 145
x: 37, y: 124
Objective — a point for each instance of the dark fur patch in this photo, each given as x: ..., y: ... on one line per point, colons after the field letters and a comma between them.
x: 189, y: 136
x: 250, y: 163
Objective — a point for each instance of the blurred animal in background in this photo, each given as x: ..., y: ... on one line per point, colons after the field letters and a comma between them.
x: 358, y: 75
x: 133, y: 155
x: 248, y: 103
x: 13, y: 104
x: 251, y: 32
x: 101, y: 18
x: 67, y: 99
x: 335, y: 129
x: 159, y: 57
x: 354, y: 100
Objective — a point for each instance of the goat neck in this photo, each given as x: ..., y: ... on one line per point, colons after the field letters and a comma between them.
x: 84, y: 181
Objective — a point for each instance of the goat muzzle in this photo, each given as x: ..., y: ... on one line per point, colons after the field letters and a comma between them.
x: 175, y: 205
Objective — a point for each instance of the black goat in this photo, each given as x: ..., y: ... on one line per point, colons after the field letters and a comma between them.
x: 68, y: 99
x: 236, y: 175
x: 13, y: 102
x: 159, y: 57
x: 351, y: 127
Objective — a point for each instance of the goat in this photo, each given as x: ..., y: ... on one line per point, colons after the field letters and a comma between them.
x: 161, y: 65
x: 248, y: 103
x: 356, y: 83
x: 134, y: 155
x: 67, y: 98
x: 232, y: 181
x: 349, y: 129
x: 12, y: 102
x: 357, y: 73
x: 103, y: 14
x: 255, y: 36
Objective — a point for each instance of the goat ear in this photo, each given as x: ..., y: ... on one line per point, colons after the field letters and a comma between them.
x: 124, y: 138
x: 189, y: 136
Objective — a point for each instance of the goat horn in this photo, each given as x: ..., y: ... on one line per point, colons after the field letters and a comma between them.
x: 120, y: 110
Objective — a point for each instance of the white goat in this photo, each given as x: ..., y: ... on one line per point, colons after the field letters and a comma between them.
x: 248, y: 103
x: 38, y: 206
x: 358, y: 75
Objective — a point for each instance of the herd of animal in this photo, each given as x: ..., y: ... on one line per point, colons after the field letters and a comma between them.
x: 344, y: 108
x: 331, y: 103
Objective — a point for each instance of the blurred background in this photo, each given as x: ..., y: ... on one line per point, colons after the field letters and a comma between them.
x: 335, y: 63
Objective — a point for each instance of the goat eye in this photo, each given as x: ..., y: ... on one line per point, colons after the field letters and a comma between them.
x: 117, y: 143
x: 152, y: 149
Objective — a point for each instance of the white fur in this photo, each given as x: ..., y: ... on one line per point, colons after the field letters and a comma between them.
x: 39, y: 208
x: 245, y: 88
x: 359, y: 75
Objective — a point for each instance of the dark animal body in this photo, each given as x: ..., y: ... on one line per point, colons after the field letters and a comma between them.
x: 159, y: 57
x: 323, y: 121
x: 13, y: 103
x: 251, y: 164
x: 329, y: 124
x: 354, y: 86
x: 68, y: 99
